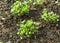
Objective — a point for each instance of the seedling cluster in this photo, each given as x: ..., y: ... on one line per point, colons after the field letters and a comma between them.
x: 49, y: 16
x: 29, y: 28
x: 19, y: 8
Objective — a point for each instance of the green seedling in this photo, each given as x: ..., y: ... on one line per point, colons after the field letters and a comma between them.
x: 38, y: 2
x: 49, y: 16
x: 30, y: 1
x: 28, y: 28
x: 1, y: 41
x: 19, y: 8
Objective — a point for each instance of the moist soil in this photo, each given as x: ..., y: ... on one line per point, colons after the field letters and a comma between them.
x: 48, y: 33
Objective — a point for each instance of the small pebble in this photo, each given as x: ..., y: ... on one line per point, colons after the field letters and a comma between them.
x: 56, y: 2
x: 3, y: 18
x: 9, y: 42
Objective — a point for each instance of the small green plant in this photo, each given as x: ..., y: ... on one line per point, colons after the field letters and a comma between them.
x: 19, y: 8
x: 49, y: 16
x: 38, y: 2
x: 30, y: 1
x: 1, y: 41
x: 28, y: 28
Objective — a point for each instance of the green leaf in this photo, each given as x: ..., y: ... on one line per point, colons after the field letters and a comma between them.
x: 21, y: 37
x: 22, y: 25
x: 29, y: 23
x: 29, y: 32
x: 30, y: 1
x: 17, y: 32
x: 36, y: 23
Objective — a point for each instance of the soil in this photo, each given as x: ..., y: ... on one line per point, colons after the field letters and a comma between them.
x: 48, y: 33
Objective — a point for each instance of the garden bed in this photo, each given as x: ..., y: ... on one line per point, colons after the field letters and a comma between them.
x: 48, y: 33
